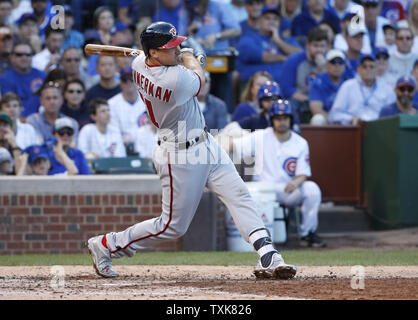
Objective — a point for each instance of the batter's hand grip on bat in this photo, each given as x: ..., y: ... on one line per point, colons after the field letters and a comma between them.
x: 113, y: 51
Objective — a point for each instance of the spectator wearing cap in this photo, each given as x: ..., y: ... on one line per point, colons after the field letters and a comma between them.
x: 29, y: 31
x: 122, y: 35
x: 98, y: 139
x: 65, y: 159
x: 374, y: 23
x: 389, y: 31
x: 35, y: 161
x: 6, y: 162
x: 20, y: 7
x: 6, y: 45
x: 351, y: 26
x: 355, y: 43
x: 402, y: 60
x: 6, y: 7
x: 382, y: 59
x: 265, y: 50
x: 72, y: 37
x: 25, y: 134
x: 214, y: 109
x: 405, y: 90
x: 362, y: 97
x: 249, y: 101
x: 301, y: 68
x: 108, y: 86
x: 52, y: 101
x: 127, y: 108
x: 74, y: 105
x: 48, y: 59
x: 173, y: 11
x: 309, y: 18
x: 22, y: 79
x: 324, y: 88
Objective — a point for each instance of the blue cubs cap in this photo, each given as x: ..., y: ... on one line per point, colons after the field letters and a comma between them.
x: 367, y: 57
x: 270, y: 9
x: 406, y: 81
x: 126, y: 73
x: 269, y: 89
x: 91, y: 34
x: 25, y: 17
x: 36, y: 152
x: 381, y: 50
x: 280, y: 107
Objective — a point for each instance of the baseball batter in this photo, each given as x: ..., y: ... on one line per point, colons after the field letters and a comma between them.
x: 187, y: 159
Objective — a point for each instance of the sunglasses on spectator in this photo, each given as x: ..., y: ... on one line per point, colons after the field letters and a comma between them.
x: 406, y: 89
x: 74, y: 91
x: 21, y: 54
x: 337, y: 61
x: 67, y: 131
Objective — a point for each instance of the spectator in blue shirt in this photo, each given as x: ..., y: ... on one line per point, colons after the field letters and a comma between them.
x: 354, y: 40
x: 311, y: 17
x: 405, y: 90
x: 107, y: 86
x: 324, y: 88
x: 72, y: 37
x: 253, y: 8
x: 265, y: 50
x: 138, y: 12
x: 172, y: 11
x: 65, y: 159
x: 301, y: 68
x: 249, y: 99
x: 22, y: 79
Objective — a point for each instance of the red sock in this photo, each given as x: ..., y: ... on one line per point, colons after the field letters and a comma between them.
x: 104, y: 242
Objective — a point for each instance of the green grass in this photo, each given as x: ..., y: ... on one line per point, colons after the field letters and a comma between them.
x: 297, y: 257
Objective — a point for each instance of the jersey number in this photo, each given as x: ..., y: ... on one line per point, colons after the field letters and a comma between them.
x: 150, y: 112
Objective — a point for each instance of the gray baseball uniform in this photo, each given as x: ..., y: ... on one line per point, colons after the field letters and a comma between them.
x: 169, y: 93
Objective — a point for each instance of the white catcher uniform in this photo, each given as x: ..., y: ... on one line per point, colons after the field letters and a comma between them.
x: 169, y: 94
x: 280, y: 162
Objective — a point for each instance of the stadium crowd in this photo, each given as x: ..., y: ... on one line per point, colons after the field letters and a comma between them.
x: 334, y: 61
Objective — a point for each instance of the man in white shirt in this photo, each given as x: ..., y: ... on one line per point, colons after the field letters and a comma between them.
x: 127, y: 108
x: 99, y: 140
x: 146, y: 139
x: 401, y: 61
x: 362, y: 97
x: 49, y: 58
x: 284, y: 159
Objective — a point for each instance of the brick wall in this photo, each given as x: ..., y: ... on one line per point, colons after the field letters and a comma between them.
x: 57, y: 223
x: 57, y: 215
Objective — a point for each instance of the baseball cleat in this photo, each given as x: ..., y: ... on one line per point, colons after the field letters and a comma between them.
x: 101, y: 258
x: 312, y: 240
x: 277, y: 269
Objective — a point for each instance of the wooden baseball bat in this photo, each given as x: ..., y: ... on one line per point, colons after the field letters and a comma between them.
x: 114, y: 51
